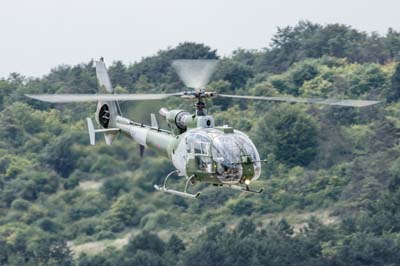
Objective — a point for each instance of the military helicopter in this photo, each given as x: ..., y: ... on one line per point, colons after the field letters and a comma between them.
x: 199, y: 150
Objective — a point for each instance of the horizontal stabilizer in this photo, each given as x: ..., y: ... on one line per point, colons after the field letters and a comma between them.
x: 92, y: 131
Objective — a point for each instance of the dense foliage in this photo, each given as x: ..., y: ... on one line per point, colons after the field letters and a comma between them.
x: 332, y: 179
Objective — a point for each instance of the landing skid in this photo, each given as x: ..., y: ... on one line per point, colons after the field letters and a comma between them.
x: 244, y: 189
x: 184, y: 193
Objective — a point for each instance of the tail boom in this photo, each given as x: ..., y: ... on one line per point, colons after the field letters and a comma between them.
x: 147, y: 136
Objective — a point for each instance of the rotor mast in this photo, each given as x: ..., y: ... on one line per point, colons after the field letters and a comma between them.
x: 200, y: 105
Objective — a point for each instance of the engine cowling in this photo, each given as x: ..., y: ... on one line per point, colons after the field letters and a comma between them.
x: 175, y: 119
x: 179, y: 120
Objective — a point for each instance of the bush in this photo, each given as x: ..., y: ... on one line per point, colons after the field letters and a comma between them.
x: 20, y: 205
x: 71, y: 183
x: 159, y: 219
x: 145, y: 241
x: 114, y: 186
x: 243, y: 207
x: 49, y: 225
x: 91, y: 204
x: 123, y: 213
x: 145, y: 258
x: 86, y: 226
x: 105, y: 235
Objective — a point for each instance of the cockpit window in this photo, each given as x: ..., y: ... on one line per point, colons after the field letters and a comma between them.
x: 247, y: 147
x: 232, y: 146
x: 198, y: 144
x: 250, y: 150
x: 227, y: 151
x: 225, y: 146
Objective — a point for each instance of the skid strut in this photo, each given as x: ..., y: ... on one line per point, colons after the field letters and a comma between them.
x: 184, y: 193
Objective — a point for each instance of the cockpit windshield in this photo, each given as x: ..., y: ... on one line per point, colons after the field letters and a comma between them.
x: 228, y: 149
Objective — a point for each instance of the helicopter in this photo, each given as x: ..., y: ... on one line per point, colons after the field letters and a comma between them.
x: 199, y: 150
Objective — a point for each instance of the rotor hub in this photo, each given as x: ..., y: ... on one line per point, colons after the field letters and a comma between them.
x: 199, y: 95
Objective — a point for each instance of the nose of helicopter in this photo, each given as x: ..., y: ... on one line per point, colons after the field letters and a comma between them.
x: 236, y: 158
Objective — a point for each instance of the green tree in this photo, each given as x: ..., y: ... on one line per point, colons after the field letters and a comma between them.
x: 60, y: 154
x: 157, y: 69
x: 175, y: 244
x: 123, y: 213
x: 304, y: 72
x: 145, y: 241
x: 290, y: 134
x: 246, y: 227
x: 393, y: 94
x: 113, y: 187
x: 242, y: 207
x: 119, y: 75
x: 392, y: 43
x: 235, y: 73
x: 145, y: 258
x: 311, y: 40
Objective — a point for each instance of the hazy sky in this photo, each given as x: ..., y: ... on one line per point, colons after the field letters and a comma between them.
x: 37, y: 35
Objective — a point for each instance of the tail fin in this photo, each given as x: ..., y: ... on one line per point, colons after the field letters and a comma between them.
x: 107, y: 111
x: 103, y: 77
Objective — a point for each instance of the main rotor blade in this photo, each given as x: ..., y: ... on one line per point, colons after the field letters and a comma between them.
x: 70, y: 98
x: 195, y: 74
x: 352, y: 103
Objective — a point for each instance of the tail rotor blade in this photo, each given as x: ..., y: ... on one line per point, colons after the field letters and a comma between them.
x: 195, y: 74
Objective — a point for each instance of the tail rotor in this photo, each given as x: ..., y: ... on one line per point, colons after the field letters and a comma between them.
x: 107, y: 110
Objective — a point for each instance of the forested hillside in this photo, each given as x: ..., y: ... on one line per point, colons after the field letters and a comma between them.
x: 332, y: 180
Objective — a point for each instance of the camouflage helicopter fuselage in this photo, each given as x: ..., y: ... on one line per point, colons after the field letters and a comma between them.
x: 198, y: 149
